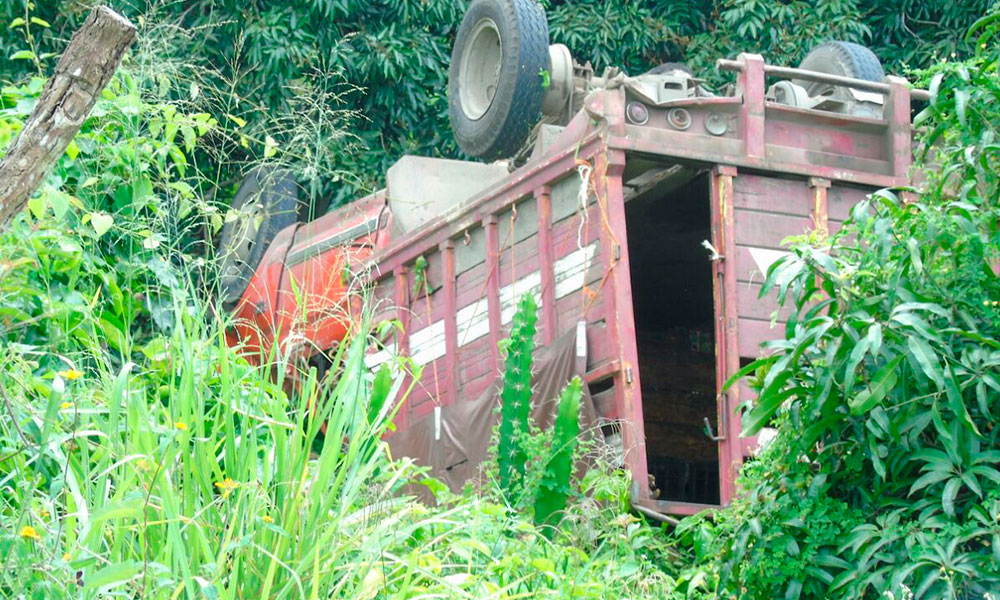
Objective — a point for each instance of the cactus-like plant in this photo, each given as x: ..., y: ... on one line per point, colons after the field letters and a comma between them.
x: 515, y: 397
x: 550, y: 500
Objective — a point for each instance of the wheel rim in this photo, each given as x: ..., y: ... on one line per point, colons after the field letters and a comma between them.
x: 479, y: 73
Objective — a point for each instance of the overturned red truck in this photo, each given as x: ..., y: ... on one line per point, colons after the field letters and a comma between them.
x: 642, y: 212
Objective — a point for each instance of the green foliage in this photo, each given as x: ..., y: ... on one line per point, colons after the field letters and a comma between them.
x: 257, y: 63
x: 885, y: 392
x: 515, y: 397
x: 125, y: 187
x: 141, y: 457
x: 781, y: 31
x: 554, y: 488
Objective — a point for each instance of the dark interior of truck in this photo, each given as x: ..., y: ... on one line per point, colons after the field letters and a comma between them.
x: 668, y: 217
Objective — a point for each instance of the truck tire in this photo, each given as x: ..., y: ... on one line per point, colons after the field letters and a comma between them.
x: 495, y: 82
x: 843, y: 58
x: 846, y: 59
x: 265, y: 203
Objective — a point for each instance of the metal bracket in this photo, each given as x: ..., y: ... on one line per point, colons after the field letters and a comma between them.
x: 723, y: 422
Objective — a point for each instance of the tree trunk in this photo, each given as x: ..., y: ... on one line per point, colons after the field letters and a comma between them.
x: 90, y: 59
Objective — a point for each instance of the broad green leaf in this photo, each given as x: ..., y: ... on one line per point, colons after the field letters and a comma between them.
x: 926, y: 359
x: 128, y: 508
x: 767, y: 406
x: 72, y: 150
x: 101, y: 222
x: 929, y: 479
x: 112, y: 575
x: 882, y: 383
x: 948, y: 496
x: 270, y: 147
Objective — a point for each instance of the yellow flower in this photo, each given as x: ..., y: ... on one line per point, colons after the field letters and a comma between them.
x: 29, y: 533
x: 71, y: 374
x: 44, y: 513
x: 181, y: 425
x: 226, y: 486
x: 66, y: 405
x: 266, y: 518
x: 66, y: 557
x: 142, y: 464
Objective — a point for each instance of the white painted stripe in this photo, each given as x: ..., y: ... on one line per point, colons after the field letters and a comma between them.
x: 473, y: 322
x: 571, y: 270
x: 510, y: 295
x: 375, y: 359
x: 427, y: 344
x: 765, y: 257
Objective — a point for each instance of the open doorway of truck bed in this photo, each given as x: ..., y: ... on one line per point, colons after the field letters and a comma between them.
x: 668, y: 216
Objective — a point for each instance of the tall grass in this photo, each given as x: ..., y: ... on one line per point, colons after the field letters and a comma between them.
x: 194, y: 475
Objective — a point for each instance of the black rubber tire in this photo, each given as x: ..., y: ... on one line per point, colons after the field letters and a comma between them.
x: 516, y: 107
x: 276, y: 194
x: 841, y: 58
x: 668, y: 67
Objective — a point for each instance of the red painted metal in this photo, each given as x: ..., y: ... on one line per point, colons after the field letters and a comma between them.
x: 750, y: 82
x: 820, y: 207
x: 451, y: 356
x: 543, y: 197
x: 726, y: 331
x: 899, y: 134
x: 493, y: 287
x: 775, y: 171
x: 402, y: 301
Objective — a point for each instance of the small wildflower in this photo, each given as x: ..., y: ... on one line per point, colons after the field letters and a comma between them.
x: 29, y: 533
x: 66, y: 405
x: 226, y: 486
x: 44, y: 513
x: 143, y: 465
x: 267, y: 519
x: 66, y: 557
x: 181, y: 425
x: 71, y: 374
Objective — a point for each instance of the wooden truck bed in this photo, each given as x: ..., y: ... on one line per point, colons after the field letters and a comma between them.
x: 611, y: 226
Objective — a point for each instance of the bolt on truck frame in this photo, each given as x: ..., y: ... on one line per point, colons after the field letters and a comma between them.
x: 642, y: 213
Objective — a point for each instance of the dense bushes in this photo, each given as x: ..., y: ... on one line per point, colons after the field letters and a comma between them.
x: 264, y: 59
x: 885, y: 479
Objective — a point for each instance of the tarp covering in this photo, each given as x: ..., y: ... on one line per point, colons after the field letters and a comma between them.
x: 466, y: 426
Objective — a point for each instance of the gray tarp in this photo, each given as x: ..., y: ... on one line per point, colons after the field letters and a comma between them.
x: 467, y: 425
